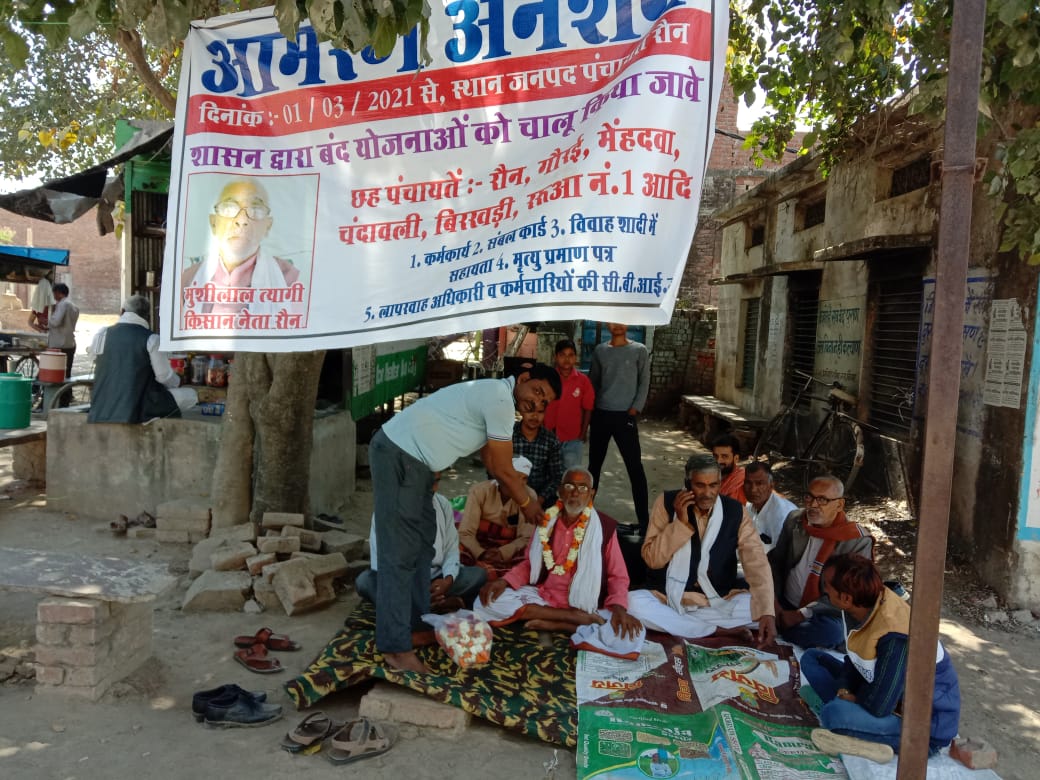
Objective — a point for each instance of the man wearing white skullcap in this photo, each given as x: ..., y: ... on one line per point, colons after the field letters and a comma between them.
x: 493, y: 532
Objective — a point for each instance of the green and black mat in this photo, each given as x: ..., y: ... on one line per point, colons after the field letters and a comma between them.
x: 526, y: 687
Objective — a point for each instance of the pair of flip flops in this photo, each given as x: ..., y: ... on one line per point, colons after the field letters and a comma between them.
x: 254, y: 653
x: 345, y: 742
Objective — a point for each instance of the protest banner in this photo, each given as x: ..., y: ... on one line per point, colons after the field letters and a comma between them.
x: 546, y: 166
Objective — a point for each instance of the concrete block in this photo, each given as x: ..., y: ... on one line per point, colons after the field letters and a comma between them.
x: 243, y: 532
x: 186, y: 508
x: 331, y: 566
x: 256, y: 563
x: 294, y: 586
x: 266, y: 595
x: 172, y: 537
x: 278, y: 545
x: 218, y: 591
x: 282, y: 519
x: 49, y: 675
x: 304, y: 555
x: 352, y: 546
x: 201, y: 552
x: 309, y: 540
x: 231, y: 556
x: 72, y: 611
x: 189, y: 524
x: 140, y: 532
x: 401, y: 706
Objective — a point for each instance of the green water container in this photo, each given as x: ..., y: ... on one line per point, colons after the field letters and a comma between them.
x: 15, y: 401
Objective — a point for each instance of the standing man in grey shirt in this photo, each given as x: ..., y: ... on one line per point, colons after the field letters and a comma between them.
x: 620, y: 375
x: 61, y: 325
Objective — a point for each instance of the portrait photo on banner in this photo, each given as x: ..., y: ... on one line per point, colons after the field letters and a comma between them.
x: 248, y: 252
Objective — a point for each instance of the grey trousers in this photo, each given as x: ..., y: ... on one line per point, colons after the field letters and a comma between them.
x: 406, y: 528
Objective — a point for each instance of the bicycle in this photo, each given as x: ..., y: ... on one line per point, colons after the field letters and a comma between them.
x: 75, y: 392
x: 836, y: 447
x: 29, y: 367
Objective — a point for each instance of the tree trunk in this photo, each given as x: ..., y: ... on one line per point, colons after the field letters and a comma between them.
x: 265, y: 447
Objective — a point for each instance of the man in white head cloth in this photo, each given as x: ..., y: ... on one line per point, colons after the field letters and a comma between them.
x: 691, y: 549
x: 573, y: 578
x: 494, y: 533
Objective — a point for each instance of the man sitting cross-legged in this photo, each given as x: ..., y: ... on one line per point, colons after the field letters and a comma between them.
x: 452, y: 586
x: 573, y: 578
x: 691, y: 550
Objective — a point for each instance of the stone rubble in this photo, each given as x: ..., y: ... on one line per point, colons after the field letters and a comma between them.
x: 289, y: 568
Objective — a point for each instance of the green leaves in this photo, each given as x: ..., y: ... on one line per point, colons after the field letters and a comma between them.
x: 358, y: 24
x: 829, y: 63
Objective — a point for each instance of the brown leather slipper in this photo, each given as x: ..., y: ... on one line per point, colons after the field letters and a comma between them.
x: 268, y: 639
x: 255, y: 660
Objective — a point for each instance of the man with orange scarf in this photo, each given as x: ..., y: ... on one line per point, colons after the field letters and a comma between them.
x: 804, y: 614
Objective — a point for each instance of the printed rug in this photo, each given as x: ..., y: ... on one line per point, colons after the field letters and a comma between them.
x: 526, y: 687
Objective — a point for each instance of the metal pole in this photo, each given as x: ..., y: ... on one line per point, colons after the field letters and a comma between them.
x: 962, y: 99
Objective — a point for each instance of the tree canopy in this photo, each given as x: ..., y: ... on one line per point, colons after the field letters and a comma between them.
x: 828, y: 63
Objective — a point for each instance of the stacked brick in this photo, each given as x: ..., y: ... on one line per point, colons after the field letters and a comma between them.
x: 683, y: 359
x: 184, y: 521
x: 287, y: 568
x: 84, y: 645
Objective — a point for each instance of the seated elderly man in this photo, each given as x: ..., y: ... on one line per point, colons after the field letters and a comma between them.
x: 768, y: 509
x: 807, y: 541
x: 452, y: 586
x: 573, y: 578
x: 494, y: 532
x: 691, y: 550
x: 133, y: 381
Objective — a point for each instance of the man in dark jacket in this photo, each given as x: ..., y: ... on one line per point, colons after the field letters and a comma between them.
x: 691, y: 549
x: 133, y: 381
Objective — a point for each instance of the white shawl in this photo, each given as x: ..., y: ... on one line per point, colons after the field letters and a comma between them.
x: 588, y: 573
x: 679, y: 567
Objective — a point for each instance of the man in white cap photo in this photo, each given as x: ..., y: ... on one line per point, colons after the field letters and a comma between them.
x: 494, y: 532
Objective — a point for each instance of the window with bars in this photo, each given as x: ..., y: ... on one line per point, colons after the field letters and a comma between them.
x: 752, y: 308
x: 804, y: 308
x: 913, y: 176
x: 894, y: 352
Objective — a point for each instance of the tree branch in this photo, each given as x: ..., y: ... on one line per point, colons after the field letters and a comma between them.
x: 130, y: 41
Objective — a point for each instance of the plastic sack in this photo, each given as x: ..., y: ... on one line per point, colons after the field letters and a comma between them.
x: 464, y: 636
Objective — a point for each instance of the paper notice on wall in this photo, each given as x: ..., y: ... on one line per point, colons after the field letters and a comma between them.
x: 1006, y: 355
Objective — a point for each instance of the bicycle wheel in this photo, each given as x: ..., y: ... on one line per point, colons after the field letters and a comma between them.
x: 75, y: 393
x: 774, y: 436
x: 838, y: 452
x: 29, y: 367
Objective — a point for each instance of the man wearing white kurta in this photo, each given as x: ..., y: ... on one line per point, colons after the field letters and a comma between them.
x: 767, y: 508
x: 691, y: 549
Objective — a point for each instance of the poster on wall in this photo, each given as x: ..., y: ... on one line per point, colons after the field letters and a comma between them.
x: 547, y: 165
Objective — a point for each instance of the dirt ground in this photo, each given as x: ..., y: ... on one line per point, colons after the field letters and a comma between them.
x: 144, y: 726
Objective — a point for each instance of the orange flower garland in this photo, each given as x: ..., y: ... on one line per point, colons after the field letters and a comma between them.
x: 572, y: 554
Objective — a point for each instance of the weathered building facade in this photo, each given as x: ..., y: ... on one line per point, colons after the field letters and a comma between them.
x: 835, y: 277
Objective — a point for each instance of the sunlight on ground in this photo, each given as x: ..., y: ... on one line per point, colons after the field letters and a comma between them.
x: 163, y: 703
x: 7, y: 752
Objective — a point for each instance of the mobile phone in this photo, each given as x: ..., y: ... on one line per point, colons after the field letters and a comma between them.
x: 686, y: 482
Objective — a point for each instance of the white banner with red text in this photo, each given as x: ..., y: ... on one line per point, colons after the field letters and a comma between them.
x: 547, y: 165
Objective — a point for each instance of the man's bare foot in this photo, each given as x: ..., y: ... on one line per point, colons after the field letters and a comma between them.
x: 741, y: 633
x: 406, y: 662
x: 583, y: 618
x: 550, y: 625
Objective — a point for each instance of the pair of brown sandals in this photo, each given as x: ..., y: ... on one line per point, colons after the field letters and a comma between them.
x: 344, y: 743
x: 254, y: 653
